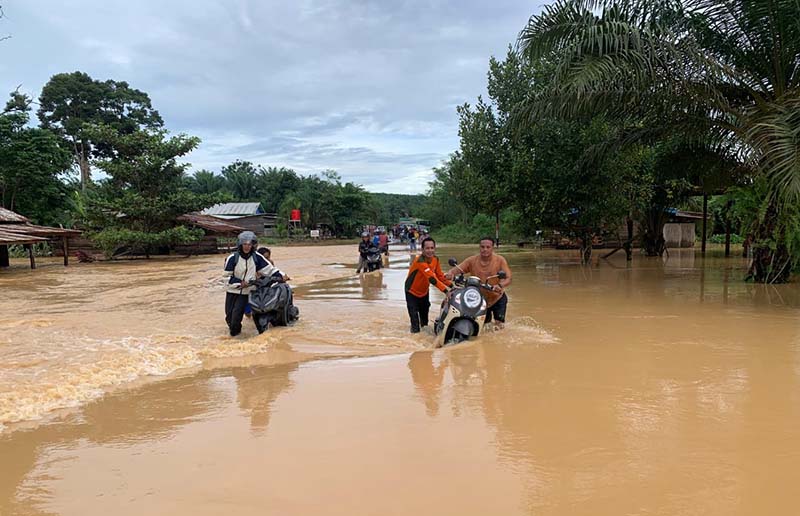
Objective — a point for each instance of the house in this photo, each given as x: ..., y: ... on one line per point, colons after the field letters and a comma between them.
x: 248, y: 215
x: 680, y: 231
x: 17, y: 230
x: 213, y: 229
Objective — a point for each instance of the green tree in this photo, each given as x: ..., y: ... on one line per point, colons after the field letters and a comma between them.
x: 724, y: 72
x: 71, y: 103
x: 137, y: 206
x: 241, y: 180
x: 274, y: 184
x: 31, y: 165
x: 205, y: 182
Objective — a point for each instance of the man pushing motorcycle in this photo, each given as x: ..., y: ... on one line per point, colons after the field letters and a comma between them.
x: 423, y: 269
x: 486, y: 265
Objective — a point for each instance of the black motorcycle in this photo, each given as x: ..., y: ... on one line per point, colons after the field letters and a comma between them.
x: 272, y: 303
x: 374, y: 259
x: 463, y: 311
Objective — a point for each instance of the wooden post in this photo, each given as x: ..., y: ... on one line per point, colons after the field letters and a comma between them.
x: 728, y: 229
x: 705, y: 223
x: 65, y: 247
x: 4, y: 256
x: 29, y: 247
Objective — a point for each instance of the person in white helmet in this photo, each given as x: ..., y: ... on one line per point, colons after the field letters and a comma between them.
x: 243, y: 268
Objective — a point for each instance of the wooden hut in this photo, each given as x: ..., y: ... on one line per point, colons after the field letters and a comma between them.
x: 213, y: 228
x: 17, y: 230
x: 248, y: 215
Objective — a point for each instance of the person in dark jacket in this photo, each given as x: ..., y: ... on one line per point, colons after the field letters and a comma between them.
x: 242, y: 269
x: 363, y: 247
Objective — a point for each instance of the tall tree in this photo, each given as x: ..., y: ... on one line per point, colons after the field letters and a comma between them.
x: 71, y: 103
x: 31, y: 164
x: 274, y: 184
x: 137, y: 206
x: 241, y: 180
x: 205, y: 182
x: 727, y: 71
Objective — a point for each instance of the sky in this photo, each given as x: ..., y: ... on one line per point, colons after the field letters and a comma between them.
x: 366, y: 88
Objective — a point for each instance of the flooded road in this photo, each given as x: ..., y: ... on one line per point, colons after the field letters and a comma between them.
x: 662, y: 388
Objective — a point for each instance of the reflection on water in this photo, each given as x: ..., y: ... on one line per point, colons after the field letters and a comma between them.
x: 257, y: 388
x: 665, y: 387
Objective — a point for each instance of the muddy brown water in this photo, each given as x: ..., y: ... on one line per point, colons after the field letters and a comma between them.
x: 663, y: 387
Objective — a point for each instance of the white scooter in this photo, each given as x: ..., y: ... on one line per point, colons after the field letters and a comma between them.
x: 463, y: 311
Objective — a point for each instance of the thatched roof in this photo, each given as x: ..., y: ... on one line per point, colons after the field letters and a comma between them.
x: 16, y: 238
x: 8, y: 216
x: 15, y: 229
x: 211, y: 224
x: 39, y: 231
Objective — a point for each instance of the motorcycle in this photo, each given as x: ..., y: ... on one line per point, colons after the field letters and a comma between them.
x: 374, y: 259
x: 272, y: 303
x: 463, y: 311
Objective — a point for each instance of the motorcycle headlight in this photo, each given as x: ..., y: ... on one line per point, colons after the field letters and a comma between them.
x: 472, y: 298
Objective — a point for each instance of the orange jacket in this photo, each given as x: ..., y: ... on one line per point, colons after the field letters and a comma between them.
x: 418, y: 282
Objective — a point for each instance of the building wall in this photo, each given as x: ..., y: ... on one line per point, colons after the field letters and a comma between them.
x: 254, y: 223
x: 679, y: 234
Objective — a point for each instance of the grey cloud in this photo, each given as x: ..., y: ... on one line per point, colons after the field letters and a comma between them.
x: 363, y: 84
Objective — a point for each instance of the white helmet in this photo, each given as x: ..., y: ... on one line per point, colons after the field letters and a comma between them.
x: 247, y: 237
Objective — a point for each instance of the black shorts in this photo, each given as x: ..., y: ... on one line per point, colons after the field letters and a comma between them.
x: 498, y: 310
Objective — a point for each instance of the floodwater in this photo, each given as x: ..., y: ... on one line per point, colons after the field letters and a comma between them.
x: 667, y: 387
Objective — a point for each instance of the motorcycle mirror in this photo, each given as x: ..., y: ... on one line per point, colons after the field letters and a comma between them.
x: 432, y: 281
x: 501, y: 274
x: 452, y: 262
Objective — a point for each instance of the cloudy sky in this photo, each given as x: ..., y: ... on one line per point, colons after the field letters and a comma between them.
x: 364, y: 87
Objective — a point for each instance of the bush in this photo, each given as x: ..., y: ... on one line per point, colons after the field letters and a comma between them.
x: 40, y: 249
x: 112, y: 240
x: 480, y: 226
x: 720, y: 239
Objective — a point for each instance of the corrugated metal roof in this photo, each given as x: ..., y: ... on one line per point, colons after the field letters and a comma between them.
x: 10, y: 216
x: 234, y: 208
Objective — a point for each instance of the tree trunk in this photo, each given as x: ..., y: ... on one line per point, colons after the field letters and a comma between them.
x: 629, y: 243
x: 497, y: 228
x: 770, y: 265
x: 728, y: 229
x: 586, y: 248
x: 705, y: 224
x: 86, y: 175
x: 83, y: 163
x: 653, y: 241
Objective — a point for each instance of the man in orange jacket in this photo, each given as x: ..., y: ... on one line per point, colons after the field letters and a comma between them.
x: 424, y: 267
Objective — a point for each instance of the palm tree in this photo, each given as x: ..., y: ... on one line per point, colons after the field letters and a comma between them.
x: 206, y: 182
x: 719, y: 71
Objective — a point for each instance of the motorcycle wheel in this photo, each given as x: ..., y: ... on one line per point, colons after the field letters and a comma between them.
x: 282, y: 316
x: 459, y: 337
x: 263, y: 323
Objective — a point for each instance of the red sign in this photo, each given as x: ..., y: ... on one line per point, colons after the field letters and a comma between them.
x: 295, y: 216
